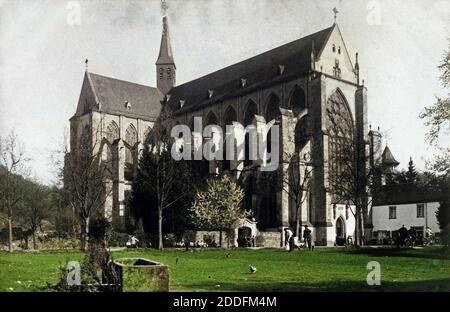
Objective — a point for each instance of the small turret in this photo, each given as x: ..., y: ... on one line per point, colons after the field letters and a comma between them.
x: 357, y: 69
x: 387, y: 160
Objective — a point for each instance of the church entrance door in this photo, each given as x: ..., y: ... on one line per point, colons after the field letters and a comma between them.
x: 340, y: 232
x: 244, y: 237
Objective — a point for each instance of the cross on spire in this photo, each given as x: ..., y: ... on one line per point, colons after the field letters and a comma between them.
x: 164, y: 7
x: 335, y: 11
x: 86, y: 62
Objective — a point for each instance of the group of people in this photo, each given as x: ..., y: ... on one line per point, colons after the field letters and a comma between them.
x: 132, y: 241
x: 410, y: 238
x: 291, y: 241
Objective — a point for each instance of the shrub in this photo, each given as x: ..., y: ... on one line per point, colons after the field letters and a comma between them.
x: 116, y: 239
x: 169, y: 240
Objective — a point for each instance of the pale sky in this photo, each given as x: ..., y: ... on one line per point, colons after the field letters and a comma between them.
x: 42, y: 56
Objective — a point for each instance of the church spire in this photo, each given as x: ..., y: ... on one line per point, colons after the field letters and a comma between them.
x: 165, y: 50
x: 165, y: 65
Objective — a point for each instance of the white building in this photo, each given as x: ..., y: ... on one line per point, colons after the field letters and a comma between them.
x: 405, y: 205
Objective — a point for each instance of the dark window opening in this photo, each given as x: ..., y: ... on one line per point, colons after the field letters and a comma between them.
x: 392, y: 212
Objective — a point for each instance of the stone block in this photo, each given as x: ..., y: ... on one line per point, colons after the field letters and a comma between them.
x: 142, y: 275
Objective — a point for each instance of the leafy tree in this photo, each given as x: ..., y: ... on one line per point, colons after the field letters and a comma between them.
x: 351, y: 186
x: 35, y: 207
x: 350, y: 181
x: 298, y: 166
x: 397, y: 177
x: 86, y: 174
x: 161, y: 182
x: 219, y: 207
x: 429, y: 181
x: 297, y: 179
x: 63, y: 215
x: 443, y: 213
x: 12, y: 165
x: 437, y: 118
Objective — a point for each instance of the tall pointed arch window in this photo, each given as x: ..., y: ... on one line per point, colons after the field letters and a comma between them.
x: 297, y: 103
x: 130, y: 145
x: 341, y: 145
x: 272, y: 113
x: 112, y: 132
x: 251, y: 109
x: 229, y: 116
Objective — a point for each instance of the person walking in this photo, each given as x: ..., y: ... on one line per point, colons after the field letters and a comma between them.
x: 287, y: 238
x: 402, y: 236
x: 428, y: 236
x: 291, y: 243
x: 307, y: 237
x: 134, y: 241
x: 412, y: 233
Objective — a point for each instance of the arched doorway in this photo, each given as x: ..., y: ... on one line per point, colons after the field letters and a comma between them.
x: 244, y: 237
x: 340, y: 232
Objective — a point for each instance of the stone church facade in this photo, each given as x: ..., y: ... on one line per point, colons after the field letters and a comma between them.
x: 307, y: 86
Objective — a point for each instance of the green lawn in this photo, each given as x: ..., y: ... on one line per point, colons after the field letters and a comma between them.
x: 277, y: 270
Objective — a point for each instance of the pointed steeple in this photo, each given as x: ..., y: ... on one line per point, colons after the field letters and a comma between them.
x: 165, y: 65
x: 165, y: 50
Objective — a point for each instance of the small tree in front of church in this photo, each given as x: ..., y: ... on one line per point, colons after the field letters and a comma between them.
x: 218, y: 207
x: 161, y: 181
x: 350, y: 183
x: 298, y: 167
x: 86, y: 175
x: 297, y: 180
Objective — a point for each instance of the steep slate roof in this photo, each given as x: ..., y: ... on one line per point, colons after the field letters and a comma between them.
x: 114, y: 93
x: 408, y: 193
x: 258, y: 71
x: 387, y: 158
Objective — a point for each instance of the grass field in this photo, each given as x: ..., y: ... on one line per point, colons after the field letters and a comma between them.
x: 277, y: 270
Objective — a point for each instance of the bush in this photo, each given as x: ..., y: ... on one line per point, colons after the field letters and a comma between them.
x: 89, y: 279
x: 445, y: 235
x: 210, y: 240
x: 117, y: 239
x: 55, y: 242
x: 169, y: 240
